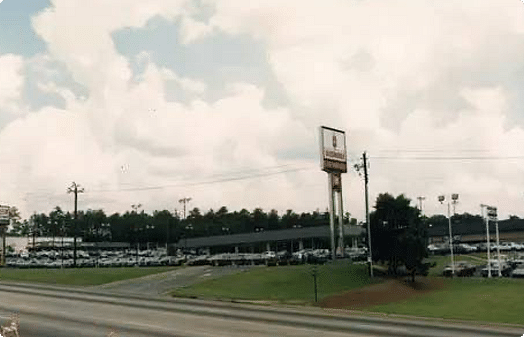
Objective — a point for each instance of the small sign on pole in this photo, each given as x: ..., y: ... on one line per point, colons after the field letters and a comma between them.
x: 4, y: 215
x: 492, y: 212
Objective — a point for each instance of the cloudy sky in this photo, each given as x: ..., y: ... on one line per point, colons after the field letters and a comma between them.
x: 152, y: 101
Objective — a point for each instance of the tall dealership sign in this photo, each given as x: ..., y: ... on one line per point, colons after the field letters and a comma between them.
x: 334, y: 162
x: 4, y: 222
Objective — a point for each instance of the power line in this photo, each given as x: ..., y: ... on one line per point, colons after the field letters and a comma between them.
x: 185, y: 184
x: 449, y: 157
x: 159, y: 187
x: 431, y: 150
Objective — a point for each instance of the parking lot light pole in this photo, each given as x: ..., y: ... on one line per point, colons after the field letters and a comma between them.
x: 498, y: 246
x: 441, y: 199
x: 492, y: 215
x: 486, y: 219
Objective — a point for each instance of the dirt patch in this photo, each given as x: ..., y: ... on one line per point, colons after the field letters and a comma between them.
x: 391, y: 290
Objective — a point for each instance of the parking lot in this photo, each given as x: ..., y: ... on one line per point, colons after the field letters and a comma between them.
x: 157, y: 257
x: 104, y: 258
x: 511, y: 259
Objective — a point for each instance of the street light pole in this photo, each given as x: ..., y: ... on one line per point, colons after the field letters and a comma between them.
x: 451, y: 244
x: 441, y: 199
x: 184, y: 201
x: 498, y: 246
x: 486, y: 219
x: 492, y: 215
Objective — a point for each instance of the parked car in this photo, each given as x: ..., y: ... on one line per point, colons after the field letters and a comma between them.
x: 505, y: 269
x: 519, y: 272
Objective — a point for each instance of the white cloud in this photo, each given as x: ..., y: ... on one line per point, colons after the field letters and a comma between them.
x: 186, y: 83
x: 11, y: 80
x: 387, y: 72
x: 349, y: 61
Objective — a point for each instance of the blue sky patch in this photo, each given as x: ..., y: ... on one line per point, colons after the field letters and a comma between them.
x: 16, y: 33
x: 217, y: 60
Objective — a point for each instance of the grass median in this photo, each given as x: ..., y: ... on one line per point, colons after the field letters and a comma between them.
x: 477, y: 299
x: 79, y: 276
x: 293, y: 284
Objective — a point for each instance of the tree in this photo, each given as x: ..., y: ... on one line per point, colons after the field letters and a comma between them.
x: 290, y: 219
x: 20, y: 228
x: 260, y: 220
x: 56, y: 218
x: 398, y: 234
x: 273, y: 221
x: 244, y: 218
x: 14, y: 216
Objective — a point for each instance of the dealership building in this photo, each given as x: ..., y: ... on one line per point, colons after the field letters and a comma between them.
x: 292, y: 240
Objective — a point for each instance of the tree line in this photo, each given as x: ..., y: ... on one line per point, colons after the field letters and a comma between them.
x: 162, y: 226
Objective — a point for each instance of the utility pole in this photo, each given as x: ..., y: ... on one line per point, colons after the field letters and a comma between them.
x: 75, y: 188
x: 184, y: 201
x: 33, y: 226
x: 359, y: 168
x: 366, y: 180
x: 135, y: 208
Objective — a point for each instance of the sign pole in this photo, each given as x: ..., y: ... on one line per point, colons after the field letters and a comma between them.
x: 334, y: 163
x: 3, y: 245
x: 332, y: 216
x: 340, y: 224
x: 340, y: 218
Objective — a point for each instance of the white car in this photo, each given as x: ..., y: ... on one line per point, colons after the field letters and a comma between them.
x: 270, y: 254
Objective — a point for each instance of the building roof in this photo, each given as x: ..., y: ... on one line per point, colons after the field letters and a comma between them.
x: 267, y: 236
x: 479, y: 227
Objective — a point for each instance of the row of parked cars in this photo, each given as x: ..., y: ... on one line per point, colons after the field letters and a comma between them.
x: 271, y: 258
x: 64, y: 259
x: 464, y: 248
x: 127, y: 258
x: 513, y: 267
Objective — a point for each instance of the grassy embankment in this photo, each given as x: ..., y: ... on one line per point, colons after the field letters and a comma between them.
x: 290, y: 284
x: 488, y: 300
x: 77, y: 277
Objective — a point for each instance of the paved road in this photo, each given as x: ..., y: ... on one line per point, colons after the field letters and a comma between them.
x: 160, y: 284
x: 51, y: 312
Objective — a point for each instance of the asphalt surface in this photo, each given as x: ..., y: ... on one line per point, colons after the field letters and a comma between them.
x: 72, y: 312
x: 160, y: 284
